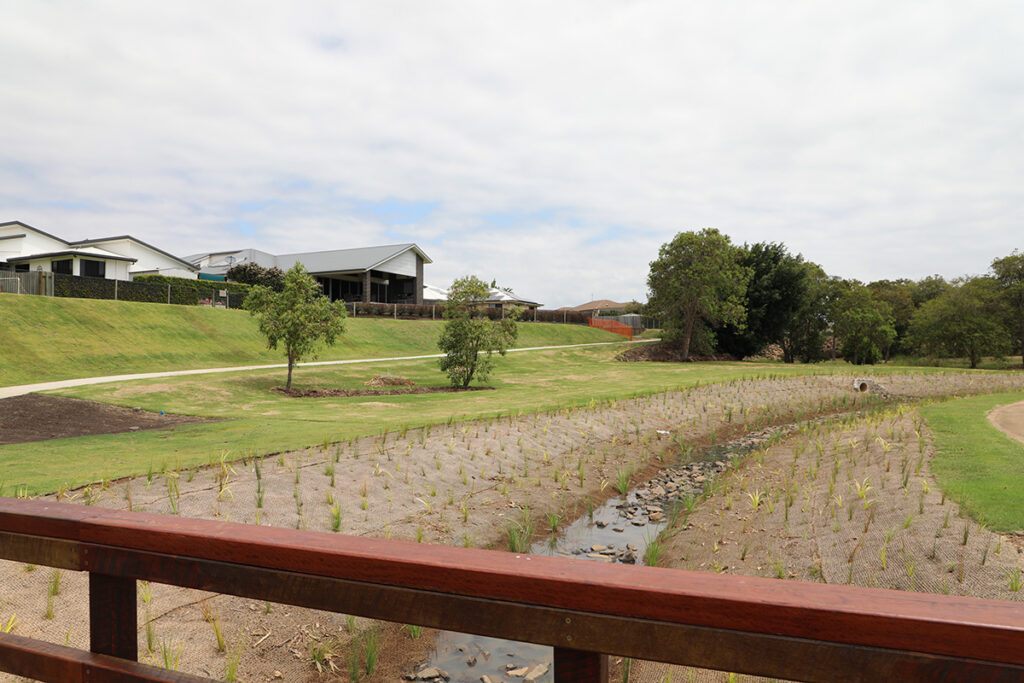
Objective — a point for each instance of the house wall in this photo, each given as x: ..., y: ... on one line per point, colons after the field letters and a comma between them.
x: 403, y: 264
x: 31, y: 243
x: 115, y: 270
x: 149, y: 260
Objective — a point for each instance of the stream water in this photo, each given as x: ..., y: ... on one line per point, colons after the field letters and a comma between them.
x: 617, y: 531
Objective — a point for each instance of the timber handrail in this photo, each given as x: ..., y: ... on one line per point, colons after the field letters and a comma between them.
x: 586, y: 610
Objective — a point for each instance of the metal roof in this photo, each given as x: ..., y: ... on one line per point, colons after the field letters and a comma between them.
x: 342, y: 260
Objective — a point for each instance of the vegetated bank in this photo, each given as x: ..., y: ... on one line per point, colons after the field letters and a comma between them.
x: 464, y: 483
x: 46, y: 338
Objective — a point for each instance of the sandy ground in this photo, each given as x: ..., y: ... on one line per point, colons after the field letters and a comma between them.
x: 844, y: 502
x: 456, y: 484
x: 1009, y: 419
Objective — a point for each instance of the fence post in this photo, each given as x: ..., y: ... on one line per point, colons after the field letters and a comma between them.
x: 396, y: 311
x: 112, y: 619
x: 168, y: 293
x: 576, y: 665
x: 115, y: 289
x: 433, y: 308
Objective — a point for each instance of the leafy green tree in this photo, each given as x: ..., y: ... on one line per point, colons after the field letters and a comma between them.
x: 697, y: 279
x: 469, y: 337
x: 254, y: 274
x: 962, y: 321
x: 927, y: 288
x: 1009, y: 275
x: 299, y: 317
x: 899, y: 295
x: 803, y: 336
x: 774, y: 295
x: 863, y: 325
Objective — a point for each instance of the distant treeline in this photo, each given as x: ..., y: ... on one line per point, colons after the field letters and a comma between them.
x: 716, y: 296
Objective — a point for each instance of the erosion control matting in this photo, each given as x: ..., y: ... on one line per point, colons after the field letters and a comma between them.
x: 35, y: 417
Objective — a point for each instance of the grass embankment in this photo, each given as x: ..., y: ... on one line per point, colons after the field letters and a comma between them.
x: 975, y: 463
x: 260, y: 421
x: 45, y: 338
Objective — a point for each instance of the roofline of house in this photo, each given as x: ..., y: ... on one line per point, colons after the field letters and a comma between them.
x: 41, y: 232
x: 71, y: 252
x: 136, y: 239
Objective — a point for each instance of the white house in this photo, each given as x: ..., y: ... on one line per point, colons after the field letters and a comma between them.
x: 25, y: 248
x: 385, y: 274
x: 496, y: 298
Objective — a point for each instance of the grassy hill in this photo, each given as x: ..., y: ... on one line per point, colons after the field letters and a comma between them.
x: 45, y: 338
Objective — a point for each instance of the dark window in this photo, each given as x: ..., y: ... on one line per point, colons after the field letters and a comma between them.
x: 62, y: 266
x: 91, y: 268
x: 20, y: 267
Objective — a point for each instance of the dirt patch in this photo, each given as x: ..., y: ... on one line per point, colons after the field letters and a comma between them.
x: 660, y: 352
x: 35, y: 417
x: 390, y: 381
x: 325, y: 393
x: 1009, y: 420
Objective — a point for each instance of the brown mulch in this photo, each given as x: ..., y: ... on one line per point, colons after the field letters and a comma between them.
x: 325, y: 393
x: 389, y: 381
x: 660, y: 352
x: 35, y: 417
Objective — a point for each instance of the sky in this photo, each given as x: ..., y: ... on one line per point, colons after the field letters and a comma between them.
x: 552, y: 147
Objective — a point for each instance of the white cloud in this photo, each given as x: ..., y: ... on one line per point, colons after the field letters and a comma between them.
x: 879, y: 140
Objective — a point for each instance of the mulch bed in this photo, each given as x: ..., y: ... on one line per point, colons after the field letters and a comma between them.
x: 660, y: 352
x: 324, y: 393
x: 35, y: 417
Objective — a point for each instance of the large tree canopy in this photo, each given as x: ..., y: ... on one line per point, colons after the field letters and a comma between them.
x: 299, y: 317
x: 962, y: 321
x: 469, y: 337
x: 696, y: 278
x: 775, y: 293
x: 1009, y: 275
x: 803, y: 337
x: 863, y: 325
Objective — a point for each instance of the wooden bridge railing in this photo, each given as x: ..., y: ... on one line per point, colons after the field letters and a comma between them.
x: 586, y: 610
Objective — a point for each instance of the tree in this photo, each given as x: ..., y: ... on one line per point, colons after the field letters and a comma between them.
x: 775, y: 293
x: 899, y: 295
x: 469, y: 337
x: 962, y: 321
x: 697, y: 278
x: 863, y: 325
x: 254, y: 274
x: 1009, y: 275
x: 803, y: 336
x: 299, y: 317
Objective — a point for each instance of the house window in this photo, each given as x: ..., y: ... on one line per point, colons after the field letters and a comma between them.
x: 62, y: 266
x: 90, y: 268
x: 20, y: 267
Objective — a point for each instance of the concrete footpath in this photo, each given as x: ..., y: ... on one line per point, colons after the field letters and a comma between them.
x: 7, y: 392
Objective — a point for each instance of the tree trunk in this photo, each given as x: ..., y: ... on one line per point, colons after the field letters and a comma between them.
x: 687, y: 333
x: 291, y: 364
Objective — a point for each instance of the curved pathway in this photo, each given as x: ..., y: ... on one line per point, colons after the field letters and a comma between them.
x: 1009, y: 419
x: 7, y: 392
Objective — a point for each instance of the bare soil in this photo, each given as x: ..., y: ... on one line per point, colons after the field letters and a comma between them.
x: 460, y: 484
x: 662, y: 352
x: 35, y: 417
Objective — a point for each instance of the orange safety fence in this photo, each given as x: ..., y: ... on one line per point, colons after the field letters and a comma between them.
x: 612, y: 326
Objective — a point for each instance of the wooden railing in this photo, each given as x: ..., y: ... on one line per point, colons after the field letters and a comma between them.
x: 586, y: 610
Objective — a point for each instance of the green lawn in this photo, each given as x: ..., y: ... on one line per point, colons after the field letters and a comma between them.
x: 47, y: 338
x: 259, y: 420
x: 976, y: 464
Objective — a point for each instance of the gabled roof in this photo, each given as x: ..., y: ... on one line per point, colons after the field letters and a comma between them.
x: 138, y: 241
x: 358, y: 259
x: 41, y: 232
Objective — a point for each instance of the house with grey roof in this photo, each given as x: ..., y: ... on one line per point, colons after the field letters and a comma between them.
x: 26, y: 248
x: 385, y: 274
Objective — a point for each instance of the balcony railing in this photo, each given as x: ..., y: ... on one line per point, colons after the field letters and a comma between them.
x: 586, y: 610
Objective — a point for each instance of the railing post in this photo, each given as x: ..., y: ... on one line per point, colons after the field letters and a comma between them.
x: 580, y: 666
x: 112, y: 618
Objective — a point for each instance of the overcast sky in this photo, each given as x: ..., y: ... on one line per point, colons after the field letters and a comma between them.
x: 553, y: 146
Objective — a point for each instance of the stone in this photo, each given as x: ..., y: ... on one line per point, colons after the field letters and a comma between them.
x: 598, y: 548
x: 601, y: 524
x: 519, y: 672
x: 658, y: 491
x: 431, y: 672
x: 536, y: 672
